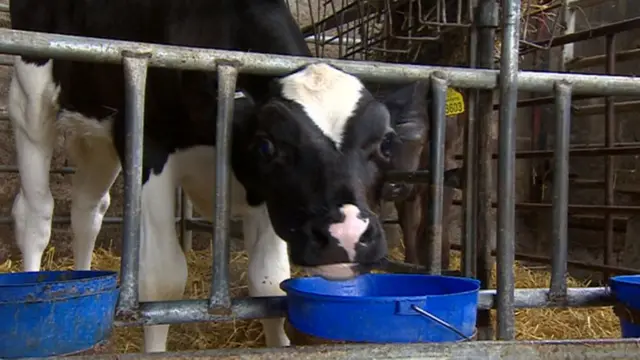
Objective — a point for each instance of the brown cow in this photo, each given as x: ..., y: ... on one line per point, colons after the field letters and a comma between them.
x: 410, y: 118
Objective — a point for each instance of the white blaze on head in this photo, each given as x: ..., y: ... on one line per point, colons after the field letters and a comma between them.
x: 328, y: 96
x: 349, y: 231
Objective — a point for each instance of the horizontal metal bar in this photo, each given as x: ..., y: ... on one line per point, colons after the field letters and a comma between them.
x: 109, y: 51
x: 588, y: 61
x: 545, y: 100
x: 601, y: 349
x: 573, y: 209
x: 64, y: 220
x: 191, y: 311
x: 596, y: 109
x: 571, y: 263
x: 592, y: 33
x: 14, y: 169
x: 583, y: 152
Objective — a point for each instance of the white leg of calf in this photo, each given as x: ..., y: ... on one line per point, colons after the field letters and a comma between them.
x: 32, y: 108
x: 163, y: 267
x: 97, y: 166
x: 268, y: 267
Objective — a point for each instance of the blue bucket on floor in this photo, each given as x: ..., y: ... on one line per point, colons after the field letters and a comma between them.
x: 52, y: 313
x: 384, y: 308
x: 626, y: 290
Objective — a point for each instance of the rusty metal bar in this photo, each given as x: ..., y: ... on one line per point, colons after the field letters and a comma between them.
x: 609, y: 164
x: 560, y: 218
x: 571, y: 263
x: 619, y: 107
x: 589, y: 61
x: 220, y: 300
x: 135, y: 73
x: 605, y: 30
x: 470, y: 194
x: 610, y: 349
x: 582, y: 151
x: 573, y: 209
x: 487, y: 23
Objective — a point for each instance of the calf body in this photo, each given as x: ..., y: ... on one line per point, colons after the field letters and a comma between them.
x: 308, y: 149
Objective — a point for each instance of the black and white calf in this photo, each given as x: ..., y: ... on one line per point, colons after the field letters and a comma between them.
x: 306, y: 158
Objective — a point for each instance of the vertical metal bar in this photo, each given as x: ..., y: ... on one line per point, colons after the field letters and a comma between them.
x: 506, y: 168
x: 186, y: 214
x: 436, y: 163
x: 469, y: 196
x: 487, y: 19
x: 220, y: 301
x: 135, y: 75
x: 609, y: 139
x: 560, y: 217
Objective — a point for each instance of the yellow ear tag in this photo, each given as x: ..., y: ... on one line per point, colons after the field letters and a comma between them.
x: 455, y: 103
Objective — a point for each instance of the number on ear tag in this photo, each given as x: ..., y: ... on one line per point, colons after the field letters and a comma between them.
x: 455, y: 103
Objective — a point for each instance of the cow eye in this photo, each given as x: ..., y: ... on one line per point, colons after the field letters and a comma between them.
x: 265, y: 148
x: 386, y: 145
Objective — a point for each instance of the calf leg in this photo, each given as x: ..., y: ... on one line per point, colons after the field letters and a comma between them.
x: 163, y: 267
x: 97, y: 166
x: 268, y: 267
x: 409, y: 214
x: 32, y: 108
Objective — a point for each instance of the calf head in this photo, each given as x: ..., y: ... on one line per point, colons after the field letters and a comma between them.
x: 408, y: 109
x: 313, y: 152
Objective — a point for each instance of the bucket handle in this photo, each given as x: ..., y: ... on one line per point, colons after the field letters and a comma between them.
x: 427, y: 314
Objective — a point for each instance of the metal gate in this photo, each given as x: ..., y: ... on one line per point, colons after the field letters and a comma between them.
x: 137, y: 57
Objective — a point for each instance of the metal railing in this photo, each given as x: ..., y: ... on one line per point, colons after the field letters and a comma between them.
x: 137, y: 57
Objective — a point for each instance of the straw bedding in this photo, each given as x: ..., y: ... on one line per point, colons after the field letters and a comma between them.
x: 531, y: 323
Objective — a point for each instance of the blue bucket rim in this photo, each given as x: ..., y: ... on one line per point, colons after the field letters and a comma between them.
x: 289, y: 290
x: 90, y: 275
x: 625, y: 279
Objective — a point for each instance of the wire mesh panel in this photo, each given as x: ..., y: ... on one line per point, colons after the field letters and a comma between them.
x: 389, y: 30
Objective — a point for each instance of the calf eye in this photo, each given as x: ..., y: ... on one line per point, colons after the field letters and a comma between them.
x: 386, y: 145
x: 265, y: 148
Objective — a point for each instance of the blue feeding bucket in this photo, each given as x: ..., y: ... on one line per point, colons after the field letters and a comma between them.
x: 384, y: 308
x: 55, y: 312
x: 626, y: 290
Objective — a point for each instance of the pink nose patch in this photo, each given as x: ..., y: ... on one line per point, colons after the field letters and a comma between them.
x: 349, y: 231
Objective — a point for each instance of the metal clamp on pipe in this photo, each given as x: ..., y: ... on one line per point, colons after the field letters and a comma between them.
x: 560, y: 207
x: 135, y: 74
x: 220, y: 301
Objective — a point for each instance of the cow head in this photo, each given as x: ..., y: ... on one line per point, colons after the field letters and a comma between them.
x: 312, y: 153
x: 408, y: 109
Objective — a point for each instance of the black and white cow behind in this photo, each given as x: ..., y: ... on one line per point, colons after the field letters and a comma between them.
x: 306, y: 158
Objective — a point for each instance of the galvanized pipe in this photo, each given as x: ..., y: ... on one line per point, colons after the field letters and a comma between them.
x: 220, y: 301
x: 436, y: 163
x: 167, y: 56
x: 560, y: 217
x: 609, y: 164
x: 247, y: 308
x: 506, y: 169
x: 135, y: 74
